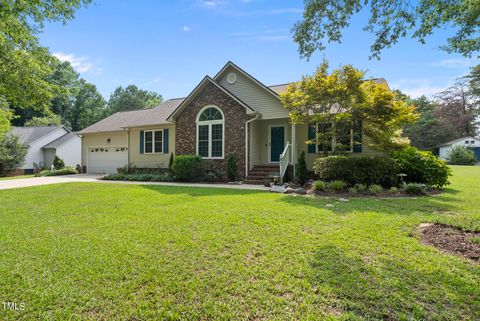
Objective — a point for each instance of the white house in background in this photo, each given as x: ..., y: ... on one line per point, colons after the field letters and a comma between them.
x: 467, y: 142
x: 44, y: 142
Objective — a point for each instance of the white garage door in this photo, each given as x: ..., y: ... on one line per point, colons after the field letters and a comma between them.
x: 106, y: 159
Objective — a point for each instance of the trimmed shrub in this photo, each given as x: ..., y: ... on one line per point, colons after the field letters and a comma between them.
x: 187, y: 168
x: 319, y: 185
x: 415, y: 188
x: 170, y: 162
x: 393, y: 190
x: 58, y: 163
x: 58, y: 172
x: 422, y: 167
x: 375, y: 189
x: 337, y: 185
x: 209, y: 172
x: 232, y: 167
x: 139, y: 177
x: 361, y: 187
x: 459, y: 155
x: 353, y: 190
x: 301, y: 172
x: 357, y: 170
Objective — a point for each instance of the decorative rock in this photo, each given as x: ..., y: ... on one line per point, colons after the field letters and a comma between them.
x: 300, y: 191
x: 344, y: 200
x: 289, y: 190
x: 277, y: 189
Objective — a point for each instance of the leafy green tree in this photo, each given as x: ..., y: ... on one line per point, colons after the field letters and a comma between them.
x: 88, y: 106
x: 6, y: 115
x: 67, y: 79
x: 338, y: 99
x: 132, y: 98
x: 24, y: 64
x: 459, y: 155
x: 390, y: 20
x: 51, y: 120
x: 301, y: 172
x: 12, y: 153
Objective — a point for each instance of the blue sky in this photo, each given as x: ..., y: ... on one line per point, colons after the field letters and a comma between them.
x: 169, y: 46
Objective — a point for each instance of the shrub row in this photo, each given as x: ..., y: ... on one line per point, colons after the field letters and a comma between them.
x: 139, y: 177
x: 58, y: 172
x: 357, y: 170
x: 340, y: 186
x: 459, y: 155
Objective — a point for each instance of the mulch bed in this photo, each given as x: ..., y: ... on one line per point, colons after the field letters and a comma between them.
x: 451, y: 240
x: 382, y: 194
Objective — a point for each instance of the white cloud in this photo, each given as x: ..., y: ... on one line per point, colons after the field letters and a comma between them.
x: 455, y: 63
x: 210, y: 3
x: 186, y: 28
x: 283, y: 11
x: 81, y: 64
x: 421, y: 87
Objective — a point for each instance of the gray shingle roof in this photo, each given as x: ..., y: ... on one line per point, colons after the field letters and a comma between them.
x: 117, y: 121
x: 28, y: 135
x: 59, y: 141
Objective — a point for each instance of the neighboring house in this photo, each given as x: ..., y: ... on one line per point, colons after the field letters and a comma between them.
x: 44, y: 142
x: 467, y: 142
x: 231, y: 113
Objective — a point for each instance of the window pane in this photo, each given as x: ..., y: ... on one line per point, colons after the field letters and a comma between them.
x: 217, y: 138
x: 148, y: 142
x: 324, y: 137
x: 210, y: 114
x: 158, y: 141
x: 203, y: 140
x: 344, y: 134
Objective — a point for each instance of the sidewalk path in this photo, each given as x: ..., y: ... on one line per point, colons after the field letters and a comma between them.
x: 92, y: 178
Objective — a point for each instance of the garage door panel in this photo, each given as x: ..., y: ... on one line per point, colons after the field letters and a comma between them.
x: 106, y: 159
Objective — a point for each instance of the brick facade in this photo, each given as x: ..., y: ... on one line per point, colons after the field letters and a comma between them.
x: 235, y: 118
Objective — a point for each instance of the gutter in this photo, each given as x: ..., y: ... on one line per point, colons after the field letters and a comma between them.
x: 257, y: 116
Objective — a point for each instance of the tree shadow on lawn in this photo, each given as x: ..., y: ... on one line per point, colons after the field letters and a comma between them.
x: 390, y: 286
x: 199, y: 191
x: 435, y: 204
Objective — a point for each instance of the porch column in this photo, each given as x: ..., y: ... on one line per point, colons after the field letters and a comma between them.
x: 294, y: 147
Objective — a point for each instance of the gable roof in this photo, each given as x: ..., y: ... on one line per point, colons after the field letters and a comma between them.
x: 126, y: 119
x: 457, y: 140
x: 197, y: 90
x: 246, y: 74
x: 28, y: 135
x: 61, y: 140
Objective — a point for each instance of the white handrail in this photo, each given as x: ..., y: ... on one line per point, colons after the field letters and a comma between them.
x: 284, y: 161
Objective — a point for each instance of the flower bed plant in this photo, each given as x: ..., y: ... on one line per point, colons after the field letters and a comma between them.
x: 58, y: 172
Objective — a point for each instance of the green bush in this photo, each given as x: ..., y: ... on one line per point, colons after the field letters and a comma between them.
x: 232, y: 167
x: 139, y: 177
x: 187, y: 168
x: 58, y: 163
x: 319, y: 185
x: 301, y: 172
x: 209, y: 172
x: 415, y: 188
x: 422, y: 167
x: 170, y: 162
x: 58, y: 172
x: 393, y: 190
x: 337, y: 186
x: 375, y: 189
x: 353, y: 190
x: 361, y: 187
x: 459, y: 155
x: 357, y: 170
x: 12, y: 153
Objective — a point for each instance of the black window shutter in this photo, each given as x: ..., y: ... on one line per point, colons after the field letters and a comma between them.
x: 311, y: 135
x: 357, y: 136
x: 142, y: 137
x: 165, y: 141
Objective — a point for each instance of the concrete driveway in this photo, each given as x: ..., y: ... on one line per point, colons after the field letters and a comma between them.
x: 94, y: 178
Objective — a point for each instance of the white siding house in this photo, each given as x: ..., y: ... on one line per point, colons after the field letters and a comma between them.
x: 467, y: 142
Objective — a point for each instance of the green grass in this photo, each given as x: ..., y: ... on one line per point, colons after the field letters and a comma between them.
x: 109, y: 251
x: 16, y: 177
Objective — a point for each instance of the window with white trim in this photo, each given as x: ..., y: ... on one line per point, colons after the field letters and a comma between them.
x: 153, y: 141
x: 210, y: 132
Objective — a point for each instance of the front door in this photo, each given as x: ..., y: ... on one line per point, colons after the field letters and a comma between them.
x: 277, y: 142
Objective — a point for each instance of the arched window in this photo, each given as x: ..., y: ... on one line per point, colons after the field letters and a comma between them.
x: 210, y: 132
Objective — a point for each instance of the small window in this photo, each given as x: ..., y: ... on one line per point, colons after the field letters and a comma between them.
x: 153, y: 142
x: 472, y: 142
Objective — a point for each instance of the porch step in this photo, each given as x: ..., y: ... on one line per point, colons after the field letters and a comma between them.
x: 260, y: 173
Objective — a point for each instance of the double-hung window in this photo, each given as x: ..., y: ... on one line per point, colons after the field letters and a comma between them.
x: 153, y: 142
x: 210, y: 132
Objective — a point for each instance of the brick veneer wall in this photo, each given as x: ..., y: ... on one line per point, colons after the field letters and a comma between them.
x: 235, y: 118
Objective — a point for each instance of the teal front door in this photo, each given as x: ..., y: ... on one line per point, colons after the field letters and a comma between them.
x: 277, y: 142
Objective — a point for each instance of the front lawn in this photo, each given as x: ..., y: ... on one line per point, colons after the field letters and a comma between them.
x: 16, y: 177
x: 97, y: 251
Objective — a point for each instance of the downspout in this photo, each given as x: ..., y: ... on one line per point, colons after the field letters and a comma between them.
x: 257, y: 116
